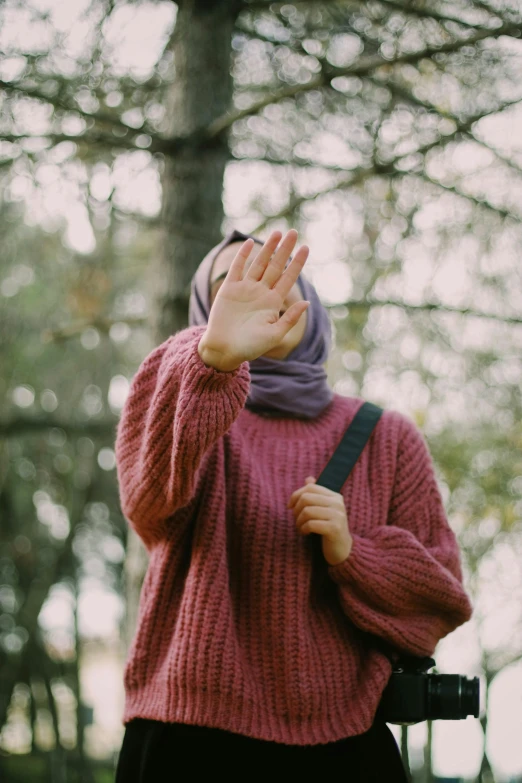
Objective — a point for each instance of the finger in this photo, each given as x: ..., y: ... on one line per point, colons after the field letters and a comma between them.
x: 313, y: 512
x: 290, y: 318
x: 321, y: 526
x: 312, y: 488
x: 294, y: 497
x: 307, y: 500
x: 289, y: 276
x: 235, y: 272
x: 276, y: 267
x: 258, y: 266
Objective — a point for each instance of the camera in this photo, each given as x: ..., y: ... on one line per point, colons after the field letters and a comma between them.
x: 412, y: 695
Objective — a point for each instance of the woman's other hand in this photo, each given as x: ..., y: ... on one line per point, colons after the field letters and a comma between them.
x: 320, y: 510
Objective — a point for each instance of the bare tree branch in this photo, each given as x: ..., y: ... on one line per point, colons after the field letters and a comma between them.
x: 364, y: 66
x: 429, y: 13
x: 491, y: 10
x: 266, y: 5
x: 295, y: 160
x: 103, y: 325
x: 505, y: 213
x: 106, y: 118
x: 391, y: 167
x: 409, y: 97
x: 93, y: 137
x: 73, y: 329
x: 496, y: 152
x: 430, y: 307
x: 21, y: 425
x: 205, y: 135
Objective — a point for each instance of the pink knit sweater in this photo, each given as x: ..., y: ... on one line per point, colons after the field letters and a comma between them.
x: 241, y: 626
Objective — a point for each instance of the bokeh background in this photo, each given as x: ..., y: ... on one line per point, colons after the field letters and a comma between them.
x: 133, y: 135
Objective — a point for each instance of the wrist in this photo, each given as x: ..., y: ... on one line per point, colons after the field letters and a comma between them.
x: 342, y: 553
x: 216, y: 359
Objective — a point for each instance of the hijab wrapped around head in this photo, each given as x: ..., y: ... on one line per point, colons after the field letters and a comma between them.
x: 296, y: 386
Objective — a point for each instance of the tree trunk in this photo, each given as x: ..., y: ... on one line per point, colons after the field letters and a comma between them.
x: 486, y: 773
x: 58, y: 770
x: 84, y: 772
x: 33, y: 711
x: 405, y: 753
x: 192, y: 181
x: 428, y: 776
x: 40, y: 582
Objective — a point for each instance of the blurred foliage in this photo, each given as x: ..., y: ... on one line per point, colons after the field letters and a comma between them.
x: 389, y: 116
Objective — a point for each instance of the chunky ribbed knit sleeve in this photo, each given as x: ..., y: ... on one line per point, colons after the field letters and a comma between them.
x: 403, y: 582
x: 176, y: 409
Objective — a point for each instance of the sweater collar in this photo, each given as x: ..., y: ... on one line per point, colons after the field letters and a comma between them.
x: 292, y: 427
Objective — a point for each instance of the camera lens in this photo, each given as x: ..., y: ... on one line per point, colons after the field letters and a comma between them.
x: 452, y: 697
x: 470, y: 696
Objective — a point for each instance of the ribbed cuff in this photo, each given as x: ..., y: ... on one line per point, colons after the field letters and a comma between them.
x: 217, y: 377
x: 349, y: 570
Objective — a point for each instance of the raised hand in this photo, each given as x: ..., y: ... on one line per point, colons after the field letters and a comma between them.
x: 244, y: 320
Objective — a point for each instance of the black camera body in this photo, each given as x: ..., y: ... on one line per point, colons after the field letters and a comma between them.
x: 412, y: 695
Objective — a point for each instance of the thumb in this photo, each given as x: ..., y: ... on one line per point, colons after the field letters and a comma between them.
x: 310, y: 480
x: 292, y: 315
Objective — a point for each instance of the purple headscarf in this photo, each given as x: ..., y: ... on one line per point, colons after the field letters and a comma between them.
x: 296, y: 386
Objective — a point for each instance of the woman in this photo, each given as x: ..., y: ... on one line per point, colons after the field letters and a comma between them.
x: 249, y: 647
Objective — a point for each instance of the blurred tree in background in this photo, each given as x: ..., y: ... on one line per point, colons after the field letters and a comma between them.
x: 385, y: 133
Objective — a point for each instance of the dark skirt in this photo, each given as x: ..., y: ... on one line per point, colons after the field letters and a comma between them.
x: 153, y: 752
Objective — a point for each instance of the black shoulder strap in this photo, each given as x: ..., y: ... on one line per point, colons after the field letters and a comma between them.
x: 350, y: 448
x: 339, y: 468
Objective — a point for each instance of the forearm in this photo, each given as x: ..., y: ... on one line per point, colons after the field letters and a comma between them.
x: 176, y: 411
x: 394, y: 587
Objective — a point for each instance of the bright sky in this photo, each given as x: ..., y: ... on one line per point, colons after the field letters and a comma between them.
x: 135, y: 36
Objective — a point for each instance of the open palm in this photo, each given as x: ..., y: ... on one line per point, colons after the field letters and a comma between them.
x: 244, y: 321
